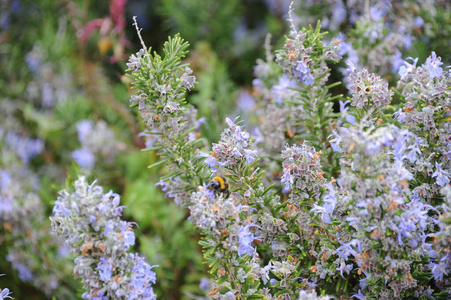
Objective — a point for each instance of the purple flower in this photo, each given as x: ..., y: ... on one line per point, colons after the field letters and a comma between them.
x: 363, y: 282
x: 408, y: 68
x: 140, y: 279
x: 164, y: 185
x: 418, y: 22
x: 308, y: 79
x: 26, y: 148
x: 200, y: 122
x: 359, y: 296
x: 400, y: 115
x: 105, y: 269
x: 447, y: 152
x: 442, y: 175
x: 330, y: 199
x: 303, y: 72
x: 379, y: 11
x: 413, y: 220
x: 245, y: 101
x: 288, y: 180
x: 204, y: 284
x: 338, y: 14
x: 397, y: 62
x: 401, y: 172
x: 282, y: 89
x: 345, y: 250
x: 84, y: 128
x: 187, y: 79
x: 266, y: 269
x: 301, y: 68
x: 101, y: 256
x: 250, y: 155
x: 34, y: 59
x: 325, y: 216
x: 353, y: 56
x: 414, y: 151
x: 24, y: 272
x: 128, y: 235
x: 246, y: 238
x: 231, y: 123
x: 335, y: 143
x: 241, y: 135
x: 135, y: 60
x: 351, y: 69
x: 5, y: 202
x: 277, y: 7
x: 434, y: 63
x: 212, y: 161
x: 84, y: 158
x: 344, y: 267
x: 441, y: 268
x: 149, y: 139
x: 407, y: 40
x: 344, y: 109
x: 5, y: 294
x: 235, y: 152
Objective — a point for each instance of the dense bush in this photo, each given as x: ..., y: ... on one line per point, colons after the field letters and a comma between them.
x: 299, y: 187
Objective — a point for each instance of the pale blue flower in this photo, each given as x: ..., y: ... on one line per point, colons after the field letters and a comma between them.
x: 408, y: 68
x: 84, y: 158
x: 246, y: 238
x: 442, y: 175
x: 434, y: 63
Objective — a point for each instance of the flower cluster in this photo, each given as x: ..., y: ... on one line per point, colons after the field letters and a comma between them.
x: 276, y: 114
x: 302, y: 105
x: 353, y: 217
x: 96, y: 140
x: 375, y: 33
x: 319, y: 194
x: 425, y: 111
x: 231, y: 235
x: 213, y: 215
x: 25, y: 147
x: 49, y: 86
x: 305, y: 55
x: 22, y: 212
x: 302, y: 170
x: 210, y: 213
x: 383, y: 46
x: 161, y: 84
x: 90, y: 221
x: 235, y: 146
x: 160, y: 95
x: 440, y: 265
x: 368, y: 89
x: 386, y: 224
x: 303, y: 295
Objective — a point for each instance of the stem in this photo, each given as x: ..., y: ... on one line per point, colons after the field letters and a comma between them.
x: 138, y: 31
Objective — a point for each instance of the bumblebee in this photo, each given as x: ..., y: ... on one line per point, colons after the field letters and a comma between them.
x: 219, y: 185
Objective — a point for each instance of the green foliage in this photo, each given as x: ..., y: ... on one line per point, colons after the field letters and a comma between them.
x: 215, y: 91
x: 212, y: 21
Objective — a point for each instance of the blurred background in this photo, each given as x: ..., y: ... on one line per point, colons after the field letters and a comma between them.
x: 64, y: 110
